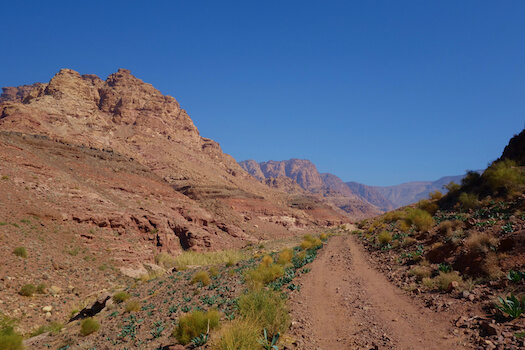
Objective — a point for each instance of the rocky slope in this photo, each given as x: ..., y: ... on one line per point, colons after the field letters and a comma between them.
x: 304, y: 173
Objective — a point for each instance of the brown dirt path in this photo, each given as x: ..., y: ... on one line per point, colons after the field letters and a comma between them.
x: 346, y: 304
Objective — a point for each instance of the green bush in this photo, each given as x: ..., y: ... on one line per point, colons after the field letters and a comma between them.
x: 262, y: 275
x: 504, y: 178
x: 203, y: 277
x: 27, y: 290
x: 133, y: 306
x: 89, y: 326
x: 21, y: 252
x: 468, y: 200
x: 428, y: 206
x: 421, y: 219
x: 194, y: 324
x: 384, y: 238
x: 41, y: 288
x: 9, y: 339
x: 266, y: 309
x: 120, y: 297
x: 238, y: 335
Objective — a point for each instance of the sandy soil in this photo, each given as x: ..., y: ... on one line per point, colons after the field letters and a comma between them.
x: 344, y: 303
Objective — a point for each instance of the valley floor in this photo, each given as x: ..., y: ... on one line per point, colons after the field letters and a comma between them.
x: 344, y: 303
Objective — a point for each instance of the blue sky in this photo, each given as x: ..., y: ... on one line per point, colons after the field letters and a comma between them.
x: 378, y: 92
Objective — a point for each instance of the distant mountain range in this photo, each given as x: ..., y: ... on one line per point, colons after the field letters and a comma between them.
x: 305, y: 174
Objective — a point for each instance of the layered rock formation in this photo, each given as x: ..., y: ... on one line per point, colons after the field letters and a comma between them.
x: 304, y: 174
x: 214, y: 202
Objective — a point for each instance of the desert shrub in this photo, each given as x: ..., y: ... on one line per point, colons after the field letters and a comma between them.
x: 21, y: 252
x: 403, y: 225
x: 435, y: 195
x: 41, y: 288
x: 203, y: 277
x: 240, y: 334
x: 480, y: 242
x: 408, y: 241
x: 165, y: 260
x: 54, y: 328
x: 452, y: 188
x: 267, y: 260
x: 445, y: 278
x: 428, y: 282
x: 310, y: 242
x: 323, y: 237
x: 213, y: 271
x: 9, y: 338
x: 285, y: 257
x: 190, y: 258
x: 194, y: 324
x: 266, y: 309
x: 89, y: 326
x: 504, y: 177
x: 384, y: 238
x: 263, y: 275
x: 27, y: 290
x: 421, y: 219
x: 420, y: 272
x: 120, y: 297
x: 428, y: 206
x: 468, y: 200
x: 396, y: 215
x: 133, y: 306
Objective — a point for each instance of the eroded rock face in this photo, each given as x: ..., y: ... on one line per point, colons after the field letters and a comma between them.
x: 206, y: 195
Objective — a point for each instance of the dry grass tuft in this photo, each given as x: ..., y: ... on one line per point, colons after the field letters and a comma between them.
x: 481, y: 242
x: 201, y: 276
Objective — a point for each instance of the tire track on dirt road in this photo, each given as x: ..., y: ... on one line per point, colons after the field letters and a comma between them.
x: 346, y: 304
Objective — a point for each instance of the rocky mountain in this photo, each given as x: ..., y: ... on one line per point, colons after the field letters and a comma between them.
x: 411, y: 192
x: 304, y: 174
x: 515, y: 150
x: 215, y: 202
x: 371, y: 195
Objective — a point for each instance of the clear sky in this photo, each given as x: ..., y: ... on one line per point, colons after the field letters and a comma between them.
x: 378, y: 92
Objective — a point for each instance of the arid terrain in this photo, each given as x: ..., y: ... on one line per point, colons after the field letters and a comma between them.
x: 123, y: 228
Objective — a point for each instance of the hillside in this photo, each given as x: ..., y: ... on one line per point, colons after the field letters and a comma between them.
x: 100, y: 177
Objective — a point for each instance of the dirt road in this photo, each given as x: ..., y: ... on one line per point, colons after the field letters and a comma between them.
x: 346, y: 304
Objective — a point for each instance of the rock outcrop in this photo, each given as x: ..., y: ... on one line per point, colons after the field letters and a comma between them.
x: 214, y: 202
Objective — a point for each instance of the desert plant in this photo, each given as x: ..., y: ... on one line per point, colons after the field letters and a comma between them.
x: 452, y: 188
x: 515, y: 276
x: 269, y: 345
x: 468, y: 200
x: 203, y: 277
x: 190, y: 258
x: 420, y: 272
x: 266, y: 309
x: 267, y: 260
x: 27, y: 290
x: 21, y: 252
x: 54, y: 328
x: 384, y: 238
x: 165, y: 260
x: 444, y: 279
x: 285, y: 257
x: 511, y: 306
x: 481, y: 242
x: 133, y: 306
x: 323, y: 237
x: 9, y: 338
x: 194, y: 324
x: 435, y: 195
x: 428, y: 206
x: 120, y: 297
x: 240, y: 334
x: 89, y: 326
x: 262, y: 275
x: 504, y: 177
x: 421, y: 219
x: 41, y: 288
